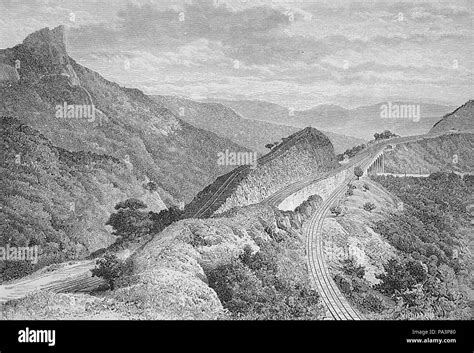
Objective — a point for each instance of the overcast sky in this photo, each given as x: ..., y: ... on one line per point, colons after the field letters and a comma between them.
x: 298, y: 53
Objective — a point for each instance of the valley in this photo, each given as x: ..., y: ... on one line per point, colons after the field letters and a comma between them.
x: 137, y: 217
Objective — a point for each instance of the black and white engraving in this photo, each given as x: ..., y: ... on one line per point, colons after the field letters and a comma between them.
x: 236, y: 160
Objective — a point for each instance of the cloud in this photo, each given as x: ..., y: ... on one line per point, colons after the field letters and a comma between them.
x: 287, y: 49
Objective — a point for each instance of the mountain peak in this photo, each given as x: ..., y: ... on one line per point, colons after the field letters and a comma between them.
x: 42, y: 53
x: 55, y: 36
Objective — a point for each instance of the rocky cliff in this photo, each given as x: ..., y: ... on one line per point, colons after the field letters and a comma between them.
x: 303, y: 154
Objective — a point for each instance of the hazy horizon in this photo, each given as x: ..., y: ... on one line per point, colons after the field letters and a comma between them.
x: 295, y: 54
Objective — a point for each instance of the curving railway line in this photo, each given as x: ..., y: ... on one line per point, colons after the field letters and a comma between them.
x: 234, y: 174
x: 76, y: 277
x: 336, y: 303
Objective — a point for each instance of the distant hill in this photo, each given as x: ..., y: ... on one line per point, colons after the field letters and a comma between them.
x: 462, y: 119
x: 225, y: 122
x: 180, y: 158
x: 403, y: 118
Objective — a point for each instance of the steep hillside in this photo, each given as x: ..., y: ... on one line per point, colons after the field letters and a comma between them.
x: 251, y: 133
x: 58, y: 200
x: 77, y: 109
x: 412, y: 118
x: 308, y: 152
x: 452, y: 152
x: 462, y: 119
x: 407, y: 256
x: 174, y: 275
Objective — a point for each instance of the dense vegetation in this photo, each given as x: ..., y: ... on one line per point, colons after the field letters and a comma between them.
x: 425, y: 279
x: 351, y: 152
x: 352, y: 283
x: 131, y: 222
x: 250, y: 288
x: 54, y: 199
x: 384, y: 135
x: 112, y: 269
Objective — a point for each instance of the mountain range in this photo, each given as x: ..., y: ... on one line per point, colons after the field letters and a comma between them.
x: 126, y: 124
x: 362, y: 122
x: 250, y: 132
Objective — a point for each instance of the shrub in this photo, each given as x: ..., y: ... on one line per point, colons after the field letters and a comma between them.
x: 344, y: 284
x: 336, y: 210
x: 165, y: 218
x: 400, y: 275
x: 384, y: 135
x: 369, y: 206
x: 269, y: 146
x: 372, y: 303
x: 10, y: 270
x: 111, y: 269
x: 250, y: 287
x: 351, y: 268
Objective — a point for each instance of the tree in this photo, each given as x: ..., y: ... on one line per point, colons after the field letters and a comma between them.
x: 164, y: 218
x: 358, y: 172
x: 151, y: 186
x: 269, y: 146
x: 384, y: 135
x: 400, y: 275
x: 130, y: 222
x: 369, y: 206
x: 110, y: 268
x: 351, y: 268
x: 336, y: 210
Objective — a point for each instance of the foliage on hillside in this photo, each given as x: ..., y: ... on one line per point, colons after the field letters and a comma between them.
x: 351, y: 152
x: 128, y: 124
x: 429, y: 234
x: 250, y: 287
x: 55, y: 199
x: 443, y: 153
x: 253, y: 258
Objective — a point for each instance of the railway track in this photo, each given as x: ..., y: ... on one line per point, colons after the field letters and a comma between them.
x: 77, y: 277
x: 336, y: 303
x: 228, y: 182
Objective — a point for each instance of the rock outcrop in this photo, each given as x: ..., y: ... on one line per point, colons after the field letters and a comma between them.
x: 303, y: 154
